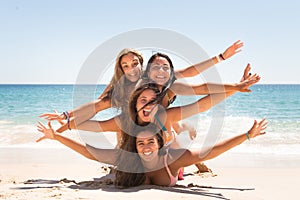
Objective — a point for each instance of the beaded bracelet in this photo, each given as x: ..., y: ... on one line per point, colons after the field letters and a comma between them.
x: 247, y: 134
x: 66, y: 114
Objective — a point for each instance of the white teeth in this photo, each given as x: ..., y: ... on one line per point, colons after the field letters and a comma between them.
x: 147, y: 153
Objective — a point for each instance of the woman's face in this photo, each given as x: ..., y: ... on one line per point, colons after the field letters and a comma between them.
x: 160, y: 70
x: 131, y: 67
x: 147, y: 145
x: 146, y: 114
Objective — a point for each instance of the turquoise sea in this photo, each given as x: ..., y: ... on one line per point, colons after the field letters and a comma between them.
x: 20, y: 106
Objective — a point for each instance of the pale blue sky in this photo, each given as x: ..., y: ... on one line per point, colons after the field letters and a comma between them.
x: 48, y: 41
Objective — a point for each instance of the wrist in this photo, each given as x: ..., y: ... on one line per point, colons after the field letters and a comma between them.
x: 247, y: 135
x: 54, y: 136
x: 218, y: 59
x: 222, y: 57
x: 66, y: 114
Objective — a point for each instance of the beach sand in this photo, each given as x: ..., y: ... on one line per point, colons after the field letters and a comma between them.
x: 42, y: 173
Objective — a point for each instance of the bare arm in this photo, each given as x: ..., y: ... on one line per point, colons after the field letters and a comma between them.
x: 95, y: 126
x: 108, y: 155
x: 206, y: 88
x: 202, y: 66
x: 190, y: 157
x: 85, y: 113
x: 181, y: 112
x: 100, y: 126
x: 80, y: 114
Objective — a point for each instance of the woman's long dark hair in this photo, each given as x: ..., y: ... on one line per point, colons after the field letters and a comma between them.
x: 128, y: 157
x: 130, y: 170
x: 146, y: 78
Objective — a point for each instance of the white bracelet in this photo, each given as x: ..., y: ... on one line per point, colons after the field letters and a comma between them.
x: 218, y: 59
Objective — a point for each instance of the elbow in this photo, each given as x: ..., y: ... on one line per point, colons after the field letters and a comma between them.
x: 89, y: 156
x: 101, y: 104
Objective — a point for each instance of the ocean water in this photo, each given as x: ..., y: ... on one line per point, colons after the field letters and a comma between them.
x: 20, y: 106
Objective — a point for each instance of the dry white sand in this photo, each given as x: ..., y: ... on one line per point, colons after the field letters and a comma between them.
x: 37, y: 173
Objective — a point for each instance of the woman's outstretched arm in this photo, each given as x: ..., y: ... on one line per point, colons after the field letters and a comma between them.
x: 206, y: 88
x: 108, y: 155
x: 190, y: 157
x: 202, y: 66
x: 182, y: 112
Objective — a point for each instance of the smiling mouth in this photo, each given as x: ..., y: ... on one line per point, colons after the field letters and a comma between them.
x: 133, y: 75
x: 146, y: 113
x: 160, y: 77
x: 147, y: 153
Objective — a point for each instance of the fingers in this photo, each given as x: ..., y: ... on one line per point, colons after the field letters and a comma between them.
x: 259, y: 127
x: 49, y: 124
x: 253, y: 78
x: 238, y: 44
x: 45, y: 115
x: 233, y: 49
x: 41, y: 125
x: 50, y: 116
x: 263, y: 124
x: 255, y: 123
x: 246, y: 72
x: 247, y: 68
x: 262, y: 121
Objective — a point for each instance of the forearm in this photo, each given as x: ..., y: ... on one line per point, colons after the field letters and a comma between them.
x: 84, y: 113
x: 89, y: 110
x: 201, y: 105
x: 78, y: 147
x: 202, y: 89
x: 211, y: 100
x: 213, y: 88
x: 196, y: 69
x: 224, y: 146
x: 200, y: 67
x: 88, y: 125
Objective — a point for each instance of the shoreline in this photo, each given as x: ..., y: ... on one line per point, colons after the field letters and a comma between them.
x: 23, y: 154
x: 43, y: 173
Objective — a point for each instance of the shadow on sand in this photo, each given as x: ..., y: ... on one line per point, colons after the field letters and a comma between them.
x: 106, y: 184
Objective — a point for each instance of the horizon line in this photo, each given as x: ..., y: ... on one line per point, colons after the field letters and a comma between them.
x: 270, y: 83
